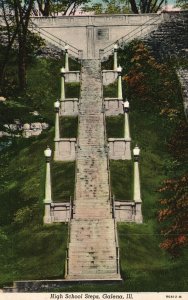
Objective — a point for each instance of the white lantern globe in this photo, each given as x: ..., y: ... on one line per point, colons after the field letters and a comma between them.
x: 119, y: 69
x: 57, y: 104
x: 126, y: 104
x: 136, y: 151
x: 48, y: 152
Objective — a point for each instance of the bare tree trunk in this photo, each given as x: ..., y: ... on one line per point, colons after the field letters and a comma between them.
x: 22, y: 62
x: 22, y: 17
x: 134, y: 6
x: 46, y: 10
x: 148, y: 6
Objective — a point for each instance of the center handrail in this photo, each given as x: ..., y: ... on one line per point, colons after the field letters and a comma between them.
x: 68, y: 241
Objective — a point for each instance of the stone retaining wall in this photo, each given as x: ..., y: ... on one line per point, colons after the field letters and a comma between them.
x: 170, y: 38
x: 26, y: 130
x: 183, y: 78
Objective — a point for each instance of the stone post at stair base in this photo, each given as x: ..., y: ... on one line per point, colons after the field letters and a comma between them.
x: 48, y: 192
x: 120, y: 94
x: 137, y: 193
x: 47, y: 213
x: 138, y: 212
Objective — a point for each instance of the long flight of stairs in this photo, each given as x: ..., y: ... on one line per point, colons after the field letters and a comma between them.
x: 93, y: 247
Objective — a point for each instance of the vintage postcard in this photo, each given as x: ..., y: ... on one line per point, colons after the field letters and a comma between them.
x: 93, y: 149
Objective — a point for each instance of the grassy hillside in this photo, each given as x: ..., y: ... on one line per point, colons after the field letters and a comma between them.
x: 31, y: 250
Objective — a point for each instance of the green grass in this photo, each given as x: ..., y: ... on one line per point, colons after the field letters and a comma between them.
x: 115, y: 126
x: 63, y: 179
x: 27, y: 253
x: 72, y: 90
x: 121, y: 179
x: 68, y: 127
x: 29, y: 249
x: 145, y: 267
x: 110, y: 90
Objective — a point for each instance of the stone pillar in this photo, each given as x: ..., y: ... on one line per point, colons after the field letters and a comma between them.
x: 120, y: 95
x: 57, y: 131
x: 137, y: 193
x: 48, y: 193
x: 126, y: 120
x: 66, y: 58
x: 62, y: 84
x: 115, y: 56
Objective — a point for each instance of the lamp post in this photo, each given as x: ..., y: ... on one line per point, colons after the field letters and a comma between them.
x: 137, y: 193
x: 119, y: 70
x: 126, y: 122
x: 136, y: 154
x: 48, y: 192
x: 62, y: 84
x: 66, y: 58
x: 56, y: 107
x: 115, y: 56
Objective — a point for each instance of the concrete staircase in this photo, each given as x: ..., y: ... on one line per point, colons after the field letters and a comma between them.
x: 170, y: 38
x: 93, y: 245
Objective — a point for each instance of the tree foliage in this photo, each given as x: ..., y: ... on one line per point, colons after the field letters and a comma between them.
x: 54, y: 7
x: 153, y: 85
x: 17, y: 22
x: 109, y: 7
x: 182, y: 3
x: 128, y: 6
x: 174, y: 191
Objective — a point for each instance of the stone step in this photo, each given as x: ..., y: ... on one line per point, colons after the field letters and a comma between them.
x: 89, y: 226
x: 79, y: 235
x: 94, y: 223
x: 92, y: 205
x: 91, y: 271
x: 90, y: 237
x: 103, y: 277
x: 97, y: 215
x: 94, y: 268
x: 92, y: 248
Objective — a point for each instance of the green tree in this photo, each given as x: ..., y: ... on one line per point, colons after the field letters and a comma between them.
x: 65, y: 7
x: 16, y: 16
x: 109, y: 7
x: 22, y: 17
x: 182, y: 3
x: 174, y: 191
x: 126, y: 6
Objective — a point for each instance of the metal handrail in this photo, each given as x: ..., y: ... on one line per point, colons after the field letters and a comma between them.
x: 72, y: 201
x: 116, y: 235
x: 131, y: 34
x: 68, y: 241
x: 56, y: 40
